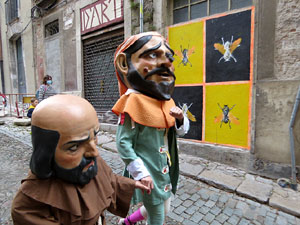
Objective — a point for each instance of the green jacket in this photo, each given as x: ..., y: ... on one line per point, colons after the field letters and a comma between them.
x: 147, y: 143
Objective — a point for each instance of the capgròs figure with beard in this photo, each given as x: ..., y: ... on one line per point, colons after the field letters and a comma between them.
x: 148, y: 122
x: 68, y: 182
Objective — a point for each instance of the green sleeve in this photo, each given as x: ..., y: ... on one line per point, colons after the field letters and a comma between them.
x: 126, y: 138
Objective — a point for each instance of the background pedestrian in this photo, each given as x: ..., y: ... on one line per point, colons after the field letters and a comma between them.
x: 34, y: 103
x: 45, y: 90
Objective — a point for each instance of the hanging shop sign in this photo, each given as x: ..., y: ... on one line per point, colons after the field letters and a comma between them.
x: 101, y: 14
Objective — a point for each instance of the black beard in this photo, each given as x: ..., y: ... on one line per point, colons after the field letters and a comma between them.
x: 161, y: 91
x: 76, y: 175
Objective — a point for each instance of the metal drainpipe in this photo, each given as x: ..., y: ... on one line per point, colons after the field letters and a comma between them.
x: 141, y: 16
x: 295, y: 109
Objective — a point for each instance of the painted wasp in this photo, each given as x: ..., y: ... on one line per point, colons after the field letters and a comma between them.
x: 227, y: 48
x: 185, y: 109
x: 184, y: 55
x: 226, y: 116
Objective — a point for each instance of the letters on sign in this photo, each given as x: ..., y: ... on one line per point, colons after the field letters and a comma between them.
x: 101, y: 14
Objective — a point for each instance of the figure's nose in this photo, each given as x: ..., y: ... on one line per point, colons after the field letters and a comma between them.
x: 165, y: 60
x: 91, y: 149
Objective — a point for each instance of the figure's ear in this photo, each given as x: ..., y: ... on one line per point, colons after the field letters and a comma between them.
x: 121, y: 64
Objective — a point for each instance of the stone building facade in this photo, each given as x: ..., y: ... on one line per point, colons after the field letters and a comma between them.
x: 16, y: 33
x: 277, y: 82
x: 74, y: 41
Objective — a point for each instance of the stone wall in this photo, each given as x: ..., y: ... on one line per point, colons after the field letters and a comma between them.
x: 287, y: 47
x: 135, y: 16
x: 275, y: 93
x: 276, y: 80
x: 38, y: 49
x: 10, y: 33
x: 1, y: 54
x: 62, y: 67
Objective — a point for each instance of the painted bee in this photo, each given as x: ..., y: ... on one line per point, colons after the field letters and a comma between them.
x: 184, y: 55
x: 186, y: 111
x: 226, y: 116
x: 227, y: 48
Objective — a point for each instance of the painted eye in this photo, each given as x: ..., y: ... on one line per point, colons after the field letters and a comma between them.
x: 73, y: 148
x: 153, y: 55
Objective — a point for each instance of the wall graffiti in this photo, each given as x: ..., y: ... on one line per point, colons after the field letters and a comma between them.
x: 184, y: 55
x: 213, y: 67
x: 226, y: 116
x: 192, y: 105
x: 227, y: 48
x: 187, y: 43
x: 230, y: 35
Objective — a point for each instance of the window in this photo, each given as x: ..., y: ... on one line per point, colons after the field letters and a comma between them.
x: 185, y: 10
x: 51, y: 28
x: 11, y: 9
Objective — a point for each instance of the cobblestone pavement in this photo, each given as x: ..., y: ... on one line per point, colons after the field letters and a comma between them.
x: 14, y: 164
x: 194, y: 203
x: 198, y: 203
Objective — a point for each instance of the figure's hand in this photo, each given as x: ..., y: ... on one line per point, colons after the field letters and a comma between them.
x: 138, y: 184
x: 177, y: 113
x: 148, y: 182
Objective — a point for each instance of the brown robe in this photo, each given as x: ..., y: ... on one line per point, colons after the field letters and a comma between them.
x: 53, y: 201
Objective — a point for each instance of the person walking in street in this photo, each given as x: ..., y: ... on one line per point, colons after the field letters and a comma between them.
x: 45, y: 90
x: 68, y: 182
x: 34, y: 103
x: 148, y: 122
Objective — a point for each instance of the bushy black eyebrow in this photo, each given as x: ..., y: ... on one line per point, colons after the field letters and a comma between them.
x: 96, y: 131
x: 170, y: 57
x: 168, y: 47
x: 137, y: 45
x: 77, y: 141
x: 150, y: 50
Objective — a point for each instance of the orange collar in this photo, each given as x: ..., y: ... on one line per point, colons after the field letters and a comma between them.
x: 146, y: 110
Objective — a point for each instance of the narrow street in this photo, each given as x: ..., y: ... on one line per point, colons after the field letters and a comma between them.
x: 195, y: 202
x: 14, y: 165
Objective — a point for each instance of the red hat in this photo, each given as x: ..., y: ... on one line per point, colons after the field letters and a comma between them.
x: 122, y: 47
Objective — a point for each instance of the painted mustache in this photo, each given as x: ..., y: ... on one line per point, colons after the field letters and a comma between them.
x: 161, y: 71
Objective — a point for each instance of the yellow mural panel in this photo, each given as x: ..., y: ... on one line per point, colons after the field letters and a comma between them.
x: 227, y: 113
x: 187, y: 42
